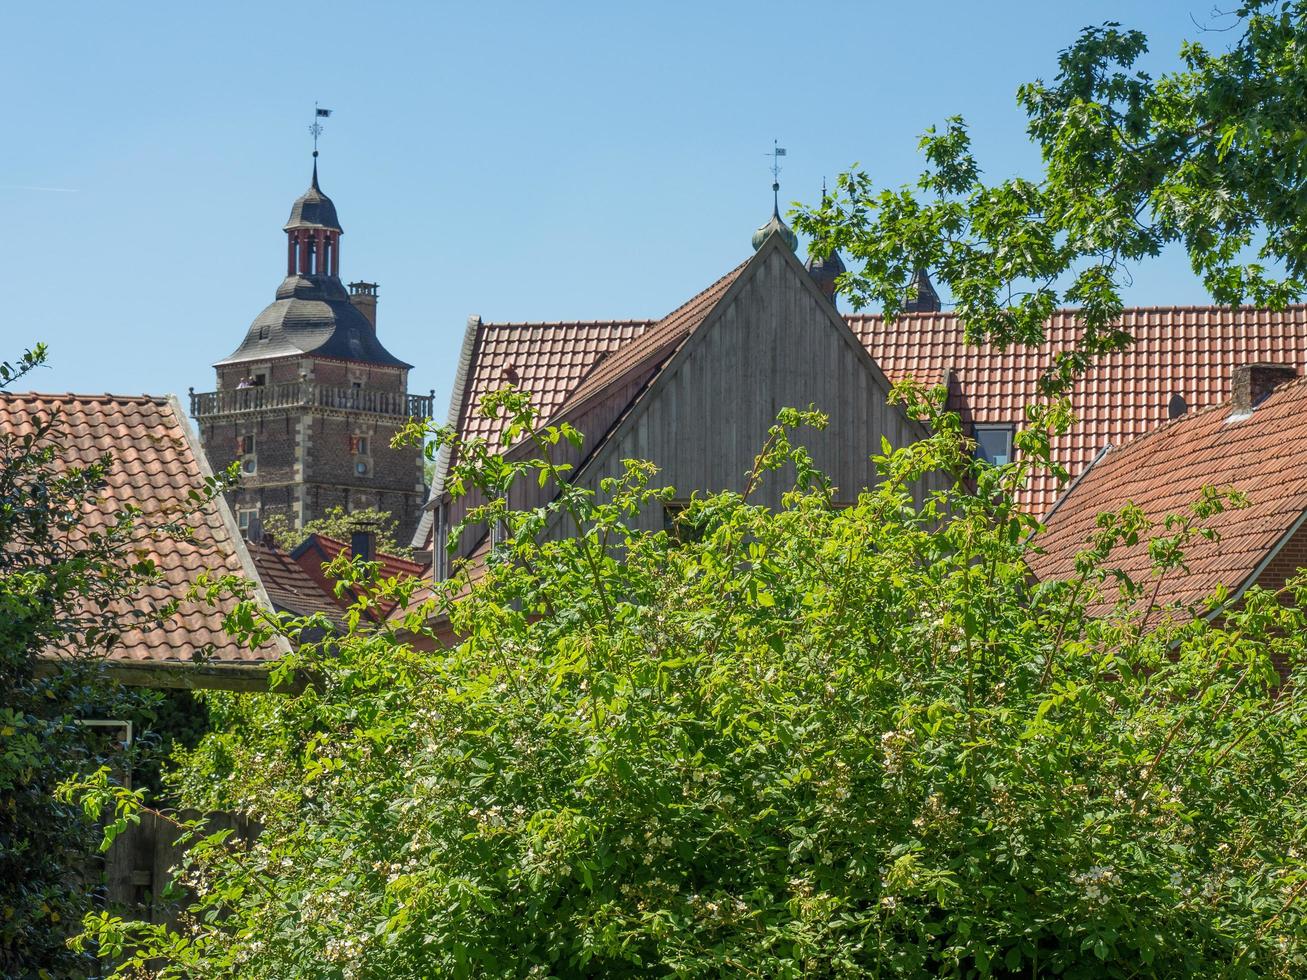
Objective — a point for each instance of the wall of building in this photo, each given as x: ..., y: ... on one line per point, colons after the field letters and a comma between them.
x: 306, y: 458
x: 773, y: 345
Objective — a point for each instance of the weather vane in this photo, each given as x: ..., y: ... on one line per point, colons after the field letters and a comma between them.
x: 316, y: 128
x: 777, y: 151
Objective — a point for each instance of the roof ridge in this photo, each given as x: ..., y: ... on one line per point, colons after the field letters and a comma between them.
x: 619, y: 322
x: 1064, y: 310
x: 581, y: 395
x: 1170, y: 424
x: 102, y: 396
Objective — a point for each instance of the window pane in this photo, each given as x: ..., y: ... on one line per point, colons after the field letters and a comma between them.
x: 994, y: 443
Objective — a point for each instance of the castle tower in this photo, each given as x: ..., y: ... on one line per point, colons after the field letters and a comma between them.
x: 308, y: 403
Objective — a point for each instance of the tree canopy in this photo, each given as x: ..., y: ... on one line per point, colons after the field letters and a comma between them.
x: 1210, y: 158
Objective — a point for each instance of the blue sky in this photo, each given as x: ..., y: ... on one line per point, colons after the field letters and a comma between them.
x: 521, y: 161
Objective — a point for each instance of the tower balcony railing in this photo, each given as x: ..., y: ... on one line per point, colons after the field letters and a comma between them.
x: 306, y: 394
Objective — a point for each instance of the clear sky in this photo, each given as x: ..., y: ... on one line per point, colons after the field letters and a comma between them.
x: 521, y: 161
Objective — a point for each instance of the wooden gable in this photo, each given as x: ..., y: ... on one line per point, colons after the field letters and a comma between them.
x: 772, y: 341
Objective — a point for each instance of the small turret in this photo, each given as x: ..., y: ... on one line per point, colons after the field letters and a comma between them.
x: 921, y: 296
x: 825, y: 271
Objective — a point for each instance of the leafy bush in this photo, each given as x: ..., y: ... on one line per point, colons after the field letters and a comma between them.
x: 815, y: 741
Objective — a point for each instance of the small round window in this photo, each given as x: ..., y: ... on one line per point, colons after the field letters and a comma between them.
x: 361, y: 468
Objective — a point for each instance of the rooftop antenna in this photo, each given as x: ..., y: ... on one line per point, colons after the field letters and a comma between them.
x: 777, y: 151
x: 316, y: 128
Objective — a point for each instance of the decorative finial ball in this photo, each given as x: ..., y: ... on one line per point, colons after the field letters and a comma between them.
x: 315, y: 153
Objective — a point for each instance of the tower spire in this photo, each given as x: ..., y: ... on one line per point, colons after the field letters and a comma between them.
x: 775, y: 225
x: 777, y: 151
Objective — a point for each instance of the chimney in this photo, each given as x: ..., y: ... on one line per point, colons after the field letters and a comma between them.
x: 363, y: 544
x: 364, y: 297
x: 1253, y: 382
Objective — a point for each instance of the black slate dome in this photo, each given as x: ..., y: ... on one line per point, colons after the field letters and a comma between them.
x: 312, y: 315
x: 825, y: 271
x: 313, y: 209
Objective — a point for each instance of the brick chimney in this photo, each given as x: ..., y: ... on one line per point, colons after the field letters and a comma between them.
x: 364, y: 297
x: 1253, y: 382
x: 363, y: 544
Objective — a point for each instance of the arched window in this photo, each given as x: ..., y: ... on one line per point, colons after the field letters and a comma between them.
x: 1177, y: 406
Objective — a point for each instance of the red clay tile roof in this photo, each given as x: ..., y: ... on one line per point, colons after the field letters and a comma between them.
x: 289, y: 585
x: 652, y: 347
x: 1192, y: 351
x: 1263, y: 454
x: 547, y: 359
x: 318, y: 550
x: 156, y: 464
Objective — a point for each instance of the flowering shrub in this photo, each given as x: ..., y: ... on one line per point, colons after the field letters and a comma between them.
x: 818, y: 740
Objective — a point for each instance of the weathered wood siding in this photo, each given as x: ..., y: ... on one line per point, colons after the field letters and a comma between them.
x: 772, y: 344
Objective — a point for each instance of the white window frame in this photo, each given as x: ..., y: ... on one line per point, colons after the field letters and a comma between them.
x: 1006, y: 428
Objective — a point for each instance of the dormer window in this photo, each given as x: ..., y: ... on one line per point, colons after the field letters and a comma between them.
x: 994, y: 444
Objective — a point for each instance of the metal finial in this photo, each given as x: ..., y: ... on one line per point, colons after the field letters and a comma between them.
x: 316, y: 128
x: 777, y: 151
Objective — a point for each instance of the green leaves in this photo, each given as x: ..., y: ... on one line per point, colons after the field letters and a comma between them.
x: 808, y: 741
x: 1208, y: 158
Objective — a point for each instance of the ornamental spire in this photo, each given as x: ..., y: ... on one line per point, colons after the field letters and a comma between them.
x: 775, y: 225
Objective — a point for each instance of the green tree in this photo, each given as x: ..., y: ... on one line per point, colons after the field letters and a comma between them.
x: 815, y: 741
x: 1210, y: 158
x: 340, y: 524
x: 68, y: 569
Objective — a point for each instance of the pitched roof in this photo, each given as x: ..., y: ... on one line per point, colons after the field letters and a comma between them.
x: 547, y: 359
x: 318, y: 550
x: 1263, y: 454
x: 550, y: 360
x: 290, y: 586
x: 652, y: 348
x: 1192, y: 351
x: 156, y: 464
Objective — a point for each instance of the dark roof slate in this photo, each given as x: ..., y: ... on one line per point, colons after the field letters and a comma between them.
x: 312, y: 315
x: 313, y: 209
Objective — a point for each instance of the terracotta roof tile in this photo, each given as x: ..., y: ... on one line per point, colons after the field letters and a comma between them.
x: 290, y: 587
x: 318, y: 550
x: 1263, y: 454
x: 653, y: 346
x: 1192, y: 351
x: 156, y: 465
x: 547, y: 359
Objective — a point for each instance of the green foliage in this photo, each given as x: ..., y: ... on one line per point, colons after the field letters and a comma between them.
x: 64, y: 580
x: 1211, y: 158
x: 815, y: 741
x: 339, y: 524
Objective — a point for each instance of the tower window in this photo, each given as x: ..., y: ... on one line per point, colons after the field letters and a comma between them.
x: 994, y: 444
x: 245, y: 446
x: 361, y: 467
x: 243, y: 518
x: 361, y: 445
